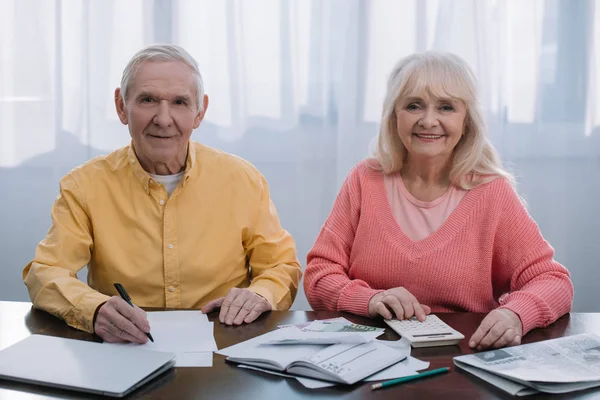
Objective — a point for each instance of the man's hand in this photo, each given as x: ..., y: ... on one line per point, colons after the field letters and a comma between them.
x: 117, y: 321
x: 501, y: 327
x: 403, y: 304
x: 238, y: 307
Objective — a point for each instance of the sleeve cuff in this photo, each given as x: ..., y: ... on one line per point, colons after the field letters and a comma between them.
x: 83, y: 315
x: 265, y: 294
x: 355, y: 300
x: 526, y: 308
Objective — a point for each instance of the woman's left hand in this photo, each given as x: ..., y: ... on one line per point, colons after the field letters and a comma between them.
x: 499, y: 328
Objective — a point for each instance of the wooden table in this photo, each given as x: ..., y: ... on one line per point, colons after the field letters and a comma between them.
x: 225, y: 381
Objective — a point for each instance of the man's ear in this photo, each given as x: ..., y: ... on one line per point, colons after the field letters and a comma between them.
x: 120, y: 106
x: 200, y: 116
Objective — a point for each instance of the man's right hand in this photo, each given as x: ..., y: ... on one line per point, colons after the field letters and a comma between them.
x: 117, y: 321
x: 399, y: 303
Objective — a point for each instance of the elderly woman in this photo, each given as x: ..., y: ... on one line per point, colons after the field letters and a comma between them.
x: 432, y: 222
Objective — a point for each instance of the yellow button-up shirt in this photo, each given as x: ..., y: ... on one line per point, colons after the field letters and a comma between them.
x: 217, y: 230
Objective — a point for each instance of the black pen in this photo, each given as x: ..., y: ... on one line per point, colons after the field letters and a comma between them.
x: 125, y: 296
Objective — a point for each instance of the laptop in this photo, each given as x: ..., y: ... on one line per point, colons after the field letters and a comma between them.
x: 83, y: 366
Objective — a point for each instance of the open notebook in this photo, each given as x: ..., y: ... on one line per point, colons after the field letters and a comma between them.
x: 83, y: 366
x: 343, y: 363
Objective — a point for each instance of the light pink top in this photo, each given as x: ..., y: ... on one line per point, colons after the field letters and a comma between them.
x: 418, y: 219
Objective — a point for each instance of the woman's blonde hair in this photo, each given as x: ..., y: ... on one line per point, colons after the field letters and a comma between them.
x: 441, y: 75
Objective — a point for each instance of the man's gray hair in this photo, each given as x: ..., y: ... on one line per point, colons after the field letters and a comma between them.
x: 162, y: 52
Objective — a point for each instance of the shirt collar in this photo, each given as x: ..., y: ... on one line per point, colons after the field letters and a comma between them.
x: 144, y: 178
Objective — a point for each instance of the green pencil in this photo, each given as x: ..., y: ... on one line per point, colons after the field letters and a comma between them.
x: 409, y: 378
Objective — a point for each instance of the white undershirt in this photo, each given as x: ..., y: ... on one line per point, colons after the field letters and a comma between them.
x: 170, y: 182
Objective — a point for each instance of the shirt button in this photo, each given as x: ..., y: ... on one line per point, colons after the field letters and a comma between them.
x: 171, y: 289
x: 162, y: 202
x: 170, y: 245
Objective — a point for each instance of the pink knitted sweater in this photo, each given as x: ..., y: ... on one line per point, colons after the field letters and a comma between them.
x: 488, y: 254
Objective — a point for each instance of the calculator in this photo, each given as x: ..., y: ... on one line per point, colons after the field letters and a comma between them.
x: 432, y: 332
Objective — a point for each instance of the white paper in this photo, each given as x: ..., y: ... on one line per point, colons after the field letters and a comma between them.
x: 314, y: 383
x: 255, y: 341
x: 175, y: 317
x: 199, y: 359
x: 415, y: 364
x: 302, y: 325
x: 397, y: 344
x: 407, y: 367
x: 180, y: 332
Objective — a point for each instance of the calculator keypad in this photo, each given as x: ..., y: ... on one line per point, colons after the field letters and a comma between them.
x: 431, y: 332
x: 413, y: 325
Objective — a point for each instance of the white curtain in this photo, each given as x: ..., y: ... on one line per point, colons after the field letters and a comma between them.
x: 296, y: 87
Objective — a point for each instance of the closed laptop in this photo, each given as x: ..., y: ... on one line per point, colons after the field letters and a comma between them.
x: 80, y: 365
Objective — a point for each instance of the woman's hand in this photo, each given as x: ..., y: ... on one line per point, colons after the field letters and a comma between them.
x: 399, y: 303
x: 500, y: 328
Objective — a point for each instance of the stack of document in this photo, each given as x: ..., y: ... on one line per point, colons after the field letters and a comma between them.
x: 552, y: 366
x: 323, y: 353
x: 188, y: 334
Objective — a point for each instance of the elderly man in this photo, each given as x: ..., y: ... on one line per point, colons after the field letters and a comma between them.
x: 178, y: 224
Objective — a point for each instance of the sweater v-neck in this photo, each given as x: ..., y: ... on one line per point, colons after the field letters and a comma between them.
x: 457, y: 220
